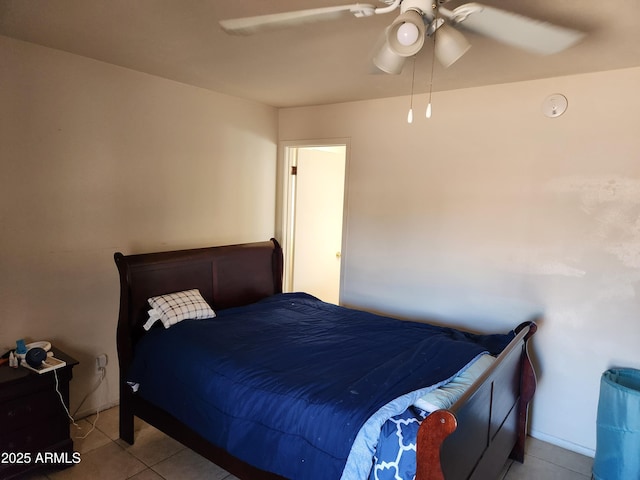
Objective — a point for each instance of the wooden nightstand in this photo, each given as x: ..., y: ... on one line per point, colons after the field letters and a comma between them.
x: 34, y: 426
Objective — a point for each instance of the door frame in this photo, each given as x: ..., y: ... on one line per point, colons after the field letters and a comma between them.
x: 286, y: 212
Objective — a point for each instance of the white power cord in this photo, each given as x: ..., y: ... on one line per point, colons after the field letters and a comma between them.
x: 103, y: 374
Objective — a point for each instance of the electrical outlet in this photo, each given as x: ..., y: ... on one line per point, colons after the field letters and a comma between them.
x: 102, y: 360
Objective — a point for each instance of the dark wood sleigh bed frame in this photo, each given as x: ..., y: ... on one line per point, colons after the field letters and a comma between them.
x: 472, y: 440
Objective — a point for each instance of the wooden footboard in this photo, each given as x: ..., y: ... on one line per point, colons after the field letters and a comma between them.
x: 487, y: 425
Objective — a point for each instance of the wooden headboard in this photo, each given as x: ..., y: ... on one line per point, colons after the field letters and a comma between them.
x: 227, y: 276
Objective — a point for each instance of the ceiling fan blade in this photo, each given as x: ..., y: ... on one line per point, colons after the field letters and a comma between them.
x: 513, y: 29
x: 251, y: 25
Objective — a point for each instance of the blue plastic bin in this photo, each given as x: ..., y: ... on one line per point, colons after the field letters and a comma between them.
x: 618, y: 426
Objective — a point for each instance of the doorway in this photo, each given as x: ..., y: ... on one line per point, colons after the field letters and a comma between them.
x: 314, y: 217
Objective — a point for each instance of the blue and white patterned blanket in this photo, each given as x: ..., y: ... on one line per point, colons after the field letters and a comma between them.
x: 395, y: 457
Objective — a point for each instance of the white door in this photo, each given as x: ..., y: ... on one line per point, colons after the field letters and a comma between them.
x: 317, y: 221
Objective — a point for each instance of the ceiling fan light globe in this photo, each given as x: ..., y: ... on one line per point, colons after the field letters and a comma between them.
x: 407, y: 34
x: 450, y: 45
x: 406, y: 27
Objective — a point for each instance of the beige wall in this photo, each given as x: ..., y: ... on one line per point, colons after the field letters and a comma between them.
x: 96, y: 159
x: 490, y: 213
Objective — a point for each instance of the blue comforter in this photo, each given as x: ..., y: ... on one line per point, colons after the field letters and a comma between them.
x: 285, y: 384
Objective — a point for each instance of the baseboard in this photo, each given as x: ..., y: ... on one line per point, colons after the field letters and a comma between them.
x: 88, y: 412
x: 558, y: 442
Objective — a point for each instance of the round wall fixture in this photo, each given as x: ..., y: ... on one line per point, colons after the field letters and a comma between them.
x: 554, y: 105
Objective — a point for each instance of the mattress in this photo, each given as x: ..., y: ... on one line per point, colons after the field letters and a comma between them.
x: 289, y: 384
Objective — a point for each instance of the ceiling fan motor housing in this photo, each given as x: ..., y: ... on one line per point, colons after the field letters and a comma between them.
x: 423, y: 7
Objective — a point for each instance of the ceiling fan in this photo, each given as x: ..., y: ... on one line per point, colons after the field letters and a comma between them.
x: 419, y: 19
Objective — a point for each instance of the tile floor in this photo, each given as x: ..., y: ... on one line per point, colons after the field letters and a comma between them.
x: 156, y: 456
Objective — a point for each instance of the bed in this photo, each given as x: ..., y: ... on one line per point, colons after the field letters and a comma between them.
x: 243, y: 284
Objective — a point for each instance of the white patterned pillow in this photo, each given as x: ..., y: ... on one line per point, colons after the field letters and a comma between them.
x: 175, y: 307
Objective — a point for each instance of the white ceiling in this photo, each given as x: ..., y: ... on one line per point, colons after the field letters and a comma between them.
x: 325, y: 62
